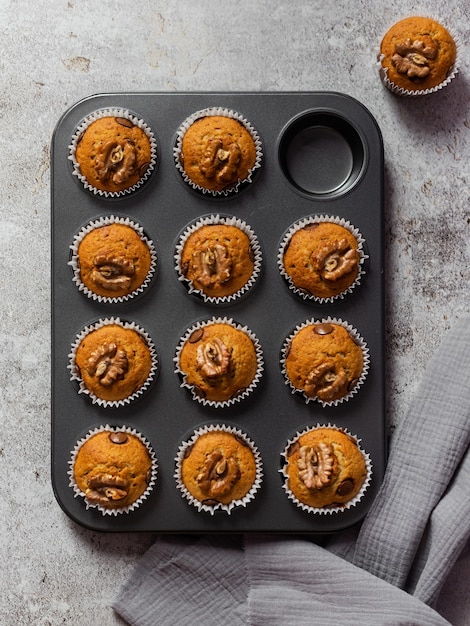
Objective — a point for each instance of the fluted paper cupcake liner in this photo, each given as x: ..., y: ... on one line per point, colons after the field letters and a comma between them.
x: 136, y: 121
x: 354, y: 335
x: 118, y: 510
x: 326, y: 510
x: 235, y: 504
x: 75, y: 264
x: 255, y: 247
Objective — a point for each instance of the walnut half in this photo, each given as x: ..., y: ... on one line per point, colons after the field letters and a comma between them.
x: 326, y: 382
x: 218, y: 475
x: 335, y: 260
x: 112, y: 273
x: 105, y: 488
x: 315, y: 465
x: 412, y: 58
x: 219, y: 162
x: 109, y: 363
x: 213, y: 357
x: 116, y: 160
x: 212, y: 265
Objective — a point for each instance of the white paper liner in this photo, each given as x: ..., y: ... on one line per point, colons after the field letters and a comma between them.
x: 118, y: 510
x: 355, y: 336
x: 400, y: 91
x: 112, y: 112
x: 227, y: 508
x: 220, y: 111
x: 74, y: 261
x: 318, y: 219
x: 255, y: 247
x: 75, y: 374
x: 326, y: 510
x: 259, y: 359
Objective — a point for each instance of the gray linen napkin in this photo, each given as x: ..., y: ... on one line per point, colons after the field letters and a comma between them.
x: 390, y: 573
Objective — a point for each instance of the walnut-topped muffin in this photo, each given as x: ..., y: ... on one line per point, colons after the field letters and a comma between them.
x: 114, y: 362
x: 325, y: 468
x: 112, y: 259
x: 113, y: 469
x: 218, y: 259
x: 417, y: 55
x: 219, y: 468
x: 217, y: 150
x: 322, y: 258
x: 113, y: 152
x: 324, y: 361
x: 219, y: 361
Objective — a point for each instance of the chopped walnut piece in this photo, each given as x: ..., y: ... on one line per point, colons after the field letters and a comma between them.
x: 412, y: 58
x: 116, y: 160
x: 326, y: 382
x: 213, y: 357
x: 315, y: 465
x: 104, y: 488
x: 218, y: 475
x: 220, y: 162
x: 108, y: 363
x: 335, y: 260
x: 112, y: 273
x: 212, y: 265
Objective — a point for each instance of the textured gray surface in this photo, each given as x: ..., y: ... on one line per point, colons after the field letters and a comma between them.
x: 55, y: 53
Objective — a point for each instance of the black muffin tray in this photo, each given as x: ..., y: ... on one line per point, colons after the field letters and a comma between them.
x: 322, y: 155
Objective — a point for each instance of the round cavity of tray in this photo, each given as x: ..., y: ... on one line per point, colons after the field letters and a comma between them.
x: 321, y: 154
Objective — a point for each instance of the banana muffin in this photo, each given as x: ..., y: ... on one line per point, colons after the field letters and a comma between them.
x: 219, y: 361
x: 325, y: 468
x: 417, y: 55
x: 112, y: 469
x: 217, y: 153
x: 113, y: 154
x: 113, y: 260
x: 218, y: 260
x: 218, y: 468
x: 323, y: 361
x: 322, y: 259
x: 114, y: 362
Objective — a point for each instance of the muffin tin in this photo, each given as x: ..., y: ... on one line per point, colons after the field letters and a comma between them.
x: 322, y: 155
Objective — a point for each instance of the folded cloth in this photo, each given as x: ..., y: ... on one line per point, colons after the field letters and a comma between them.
x: 390, y: 572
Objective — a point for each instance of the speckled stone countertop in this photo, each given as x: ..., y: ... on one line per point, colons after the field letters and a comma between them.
x: 56, y: 53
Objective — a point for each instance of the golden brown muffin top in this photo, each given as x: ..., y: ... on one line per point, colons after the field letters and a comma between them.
x: 322, y: 259
x: 114, y: 260
x: 217, y: 259
x: 113, y: 154
x: 418, y: 53
x: 217, y: 152
x: 112, y: 469
x: 218, y: 467
x: 325, y: 468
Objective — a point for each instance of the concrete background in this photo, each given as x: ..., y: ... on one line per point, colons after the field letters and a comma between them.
x: 55, y: 53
